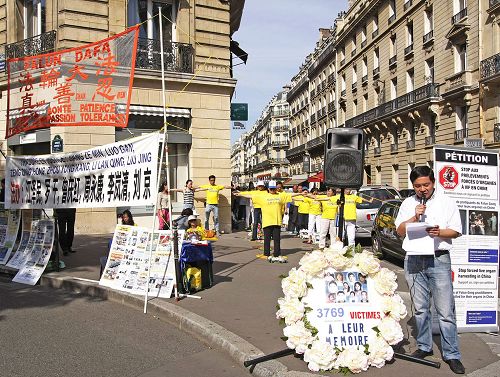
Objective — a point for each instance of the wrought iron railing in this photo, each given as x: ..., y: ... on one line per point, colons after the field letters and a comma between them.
x: 313, y: 93
x: 376, y: 71
x: 343, y: 93
x: 295, y: 151
x: 430, y: 140
x: 494, y: 2
x: 425, y: 92
x: 331, y: 107
x: 354, y: 86
x: 178, y: 57
x: 313, y: 118
x: 409, y: 49
x: 320, y: 140
x: 279, y: 143
x: 363, y: 43
x: 353, y: 52
x: 364, y: 80
x: 460, y: 15
x: 496, y: 133
x: 331, y: 78
x: 281, y: 112
x: 394, y: 148
x: 37, y: 45
x: 374, y: 33
x: 393, y: 60
x: 428, y: 37
x: 410, y: 144
x: 490, y: 66
x: 342, y: 62
x: 461, y: 134
x: 391, y: 19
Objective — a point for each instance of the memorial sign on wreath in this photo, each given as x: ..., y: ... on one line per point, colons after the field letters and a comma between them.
x: 340, y: 310
x: 82, y: 86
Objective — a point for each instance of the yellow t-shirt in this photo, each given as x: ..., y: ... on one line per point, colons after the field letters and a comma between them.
x: 272, y: 207
x: 350, y: 206
x: 314, y: 206
x: 330, y: 208
x: 212, y: 193
x: 303, y: 204
x: 253, y: 194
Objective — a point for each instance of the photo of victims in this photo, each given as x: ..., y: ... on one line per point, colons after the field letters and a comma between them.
x: 346, y: 287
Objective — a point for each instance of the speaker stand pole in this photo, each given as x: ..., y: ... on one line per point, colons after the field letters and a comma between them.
x: 341, y: 203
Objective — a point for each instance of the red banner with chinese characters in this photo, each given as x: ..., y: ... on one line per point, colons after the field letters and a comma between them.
x: 81, y: 86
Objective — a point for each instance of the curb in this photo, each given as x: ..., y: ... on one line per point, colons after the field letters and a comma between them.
x: 208, y: 332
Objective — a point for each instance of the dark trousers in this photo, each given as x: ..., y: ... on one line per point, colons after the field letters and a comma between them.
x: 273, y: 231
x: 66, y: 225
x: 257, y: 219
x: 303, y: 221
x: 292, y: 218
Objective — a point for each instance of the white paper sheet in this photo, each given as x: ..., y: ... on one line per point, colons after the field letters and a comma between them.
x: 419, y: 242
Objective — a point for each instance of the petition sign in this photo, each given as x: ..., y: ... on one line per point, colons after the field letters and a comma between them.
x: 118, y: 174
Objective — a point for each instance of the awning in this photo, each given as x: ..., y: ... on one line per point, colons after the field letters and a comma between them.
x: 154, y: 111
x: 316, y: 178
x: 17, y: 113
x: 296, y: 180
x: 235, y: 48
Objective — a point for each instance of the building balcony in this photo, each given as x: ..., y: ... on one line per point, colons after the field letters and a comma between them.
x: 496, y: 133
x: 295, y: 152
x: 281, y: 113
x: 353, y: 52
x: 490, y: 67
x: 331, y: 107
x: 342, y: 62
x: 278, y: 161
x: 458, y: 82
x: 391, y: 19
x: 393, y: 61
x: 394, y: 148
x: 409, y: 50
x: 407, y: 5
x: 459, y: 16
x: 331, y: 78
x: 377, y: 151
x: 363, y: 43
x: 364, y: 80
x: 37, y: 45
x: 343, y: 93
x: 177, y: 57
x: 415, y: 98
x: 313, y: 93
x: 494, y: 3
x: 280, y: 128
x: 460, y: 135
x: 313, y: 118
x: 375, y: 33
x: 410, y: 144
x: 354, y: 86
x: 316, y: 142
x: 430, y: 140
x: 279, y: 143
x: 428, y: 38
x: 376, y: 72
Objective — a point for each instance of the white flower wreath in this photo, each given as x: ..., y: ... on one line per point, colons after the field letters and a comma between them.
x: 301, y: 335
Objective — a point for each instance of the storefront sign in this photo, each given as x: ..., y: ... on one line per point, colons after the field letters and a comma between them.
x: 471, y: 178
x: 27, y: 139
x: 77, y: 87
x: 118, y: 174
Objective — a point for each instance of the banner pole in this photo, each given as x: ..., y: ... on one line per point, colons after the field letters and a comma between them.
x: 162, y: 154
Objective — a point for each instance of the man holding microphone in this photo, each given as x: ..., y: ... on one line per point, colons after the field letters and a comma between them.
x: 429, y: 275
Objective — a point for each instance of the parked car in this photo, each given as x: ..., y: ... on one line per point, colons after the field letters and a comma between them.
x: 366, y: 211
x: 385, y: 239
x: 406, y: 193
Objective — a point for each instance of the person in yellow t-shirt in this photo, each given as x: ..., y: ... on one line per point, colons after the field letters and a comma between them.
x: 314, y: 214
x: 303, y: 209
x: 271, y: 204
x: 351, y: 199
x: 212, y: 204
x: 257, y: 212
x: 328, y: 216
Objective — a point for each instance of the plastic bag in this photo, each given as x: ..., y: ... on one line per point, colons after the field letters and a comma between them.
x: 193, y: 279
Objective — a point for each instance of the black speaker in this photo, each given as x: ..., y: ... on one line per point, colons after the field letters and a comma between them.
x: 344, y: 157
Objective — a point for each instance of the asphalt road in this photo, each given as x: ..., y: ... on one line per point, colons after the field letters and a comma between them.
x: 46, y: 332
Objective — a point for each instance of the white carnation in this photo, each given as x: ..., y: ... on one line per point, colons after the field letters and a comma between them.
x: 295, y: 284
x: 367, y: 263
x: 321, y: 356
x: 291, y: 310
x: 394, y: 307
x: 380, y: 352
x: 313, y: 263
x: 354, y: 359
x: 338, y: 261
x: 390, y: 330
x: 298, y: 336
x: 385, y: 281
x: 337, y: 247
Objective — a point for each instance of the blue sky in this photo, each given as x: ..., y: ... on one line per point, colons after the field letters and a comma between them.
x: 278, y: 35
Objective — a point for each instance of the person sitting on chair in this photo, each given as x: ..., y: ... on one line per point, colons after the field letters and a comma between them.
x: 194, y: 232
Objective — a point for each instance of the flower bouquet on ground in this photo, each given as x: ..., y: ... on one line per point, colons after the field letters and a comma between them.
x: 340, y: 310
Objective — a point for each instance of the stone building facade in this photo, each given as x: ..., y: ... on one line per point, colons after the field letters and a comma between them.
x: 199, y: 83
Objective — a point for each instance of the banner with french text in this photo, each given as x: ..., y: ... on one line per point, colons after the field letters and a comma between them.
x: 118, y: 174
x: 471, y: 177
x: 82, y: 86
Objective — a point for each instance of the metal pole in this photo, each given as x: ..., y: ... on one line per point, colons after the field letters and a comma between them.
x: 341, y: 203
x: 271, y: 356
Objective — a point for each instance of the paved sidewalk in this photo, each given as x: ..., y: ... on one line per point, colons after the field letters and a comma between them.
x: 238, y: 313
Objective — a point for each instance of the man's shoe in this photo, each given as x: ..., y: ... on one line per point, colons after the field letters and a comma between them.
x: 419, y: 354
x: 71, y: 250
x: 456, y: 366
x: 65, y: 252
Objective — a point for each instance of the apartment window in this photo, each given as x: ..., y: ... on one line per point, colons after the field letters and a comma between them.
x: 428, y: 21
x: 375, y: 26
x: 30, y: 18
x: 394, y: 88
x: 353, y: 45
x: 460, y: 118
x: 342, y: 82
x: 365, y: 102
x: 376, y: 95
x: 459, y: 5
x: 429, y: 71
x: 365, y: 68
x: 354, y: 108
x: 145, y: 12
x: 376, y: 56
x: 354, y: 74
x: 460, y: 58
x: 393, y: 48
x: 410, y: 81
x: 392, y: 10
x: 409, y: 34
x: 363, y: 36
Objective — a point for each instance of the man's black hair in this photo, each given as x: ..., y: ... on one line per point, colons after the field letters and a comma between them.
x: 422, y: 171
x: 210, y: 177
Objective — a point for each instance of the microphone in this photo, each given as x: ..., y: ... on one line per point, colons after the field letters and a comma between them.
x: 423, y: 200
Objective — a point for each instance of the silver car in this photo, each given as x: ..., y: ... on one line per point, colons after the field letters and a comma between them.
x: 366, y: 211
